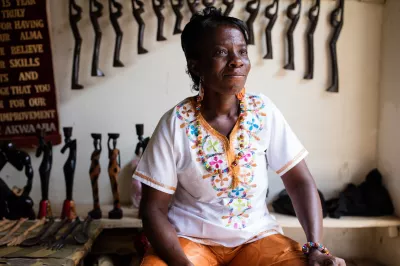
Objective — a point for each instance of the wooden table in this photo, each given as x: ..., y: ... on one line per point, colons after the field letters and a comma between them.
x: 72, y: 254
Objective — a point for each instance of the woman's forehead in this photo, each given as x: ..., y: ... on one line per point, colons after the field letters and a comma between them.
x: 223, y: 34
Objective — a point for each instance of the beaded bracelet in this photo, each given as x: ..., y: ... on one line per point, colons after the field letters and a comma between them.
x: 309, y: 245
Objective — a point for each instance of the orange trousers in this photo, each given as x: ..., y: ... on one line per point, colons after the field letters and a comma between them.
x: 274, y: 250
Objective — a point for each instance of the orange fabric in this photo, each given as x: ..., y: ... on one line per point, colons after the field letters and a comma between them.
x: 274, y: 250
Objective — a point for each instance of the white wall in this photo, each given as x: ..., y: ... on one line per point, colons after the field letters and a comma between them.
x: 387, y: 250
x: 339, y: 130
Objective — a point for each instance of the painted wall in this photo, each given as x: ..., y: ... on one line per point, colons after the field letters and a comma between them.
x: 388, y: 251
x: 339, y: 130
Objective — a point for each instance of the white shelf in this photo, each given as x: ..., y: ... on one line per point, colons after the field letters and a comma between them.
x: 130, y: 219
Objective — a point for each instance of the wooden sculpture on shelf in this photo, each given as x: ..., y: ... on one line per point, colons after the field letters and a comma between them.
x: 114, y: 16
x: 32, y: 241
x: 271, y: 12
x: 81, y: 236
x: 208, y: 3
x: 94, y: 173
x: 336, y: 20
x: 293, y: 13
x: 69, y: 172
x: 75, y: 15
x: 193, y: 4
x: 313, y: 16
x: 158, y: 6
x: 19, y: 239
x: 45, y: 148
x: 229, y: 6
x: 10, y: 234
x: 114, y: 167
x: 96, y: 11
x: 176, y: 7
x: 138, y: 10
x: 252, y: 7
x: 15, y: 203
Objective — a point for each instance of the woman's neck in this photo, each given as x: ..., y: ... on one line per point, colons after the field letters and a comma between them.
x: 216, y: 105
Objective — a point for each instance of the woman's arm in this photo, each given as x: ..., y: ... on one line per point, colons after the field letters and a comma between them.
x: 303, y: 192
x: 159, y: 231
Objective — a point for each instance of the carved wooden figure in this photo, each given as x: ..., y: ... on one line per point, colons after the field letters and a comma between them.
x: 271, y: 12
x: 336, y: 20
x: 158, y: 6
x: 313, y: 16
x: 45, y: 148
x: 94, y: 173
x: 138, y: 10
x: 193, y: 4
x: 229, y: 6
x: 69, y: 172
x: 118, y: 39
x: 293, y: 13
x: 177, y: 6
x: 208, y: 3
x: 114, y: 167
x: 252, y: 7
x: 75, y: 15
x: 96, y: 11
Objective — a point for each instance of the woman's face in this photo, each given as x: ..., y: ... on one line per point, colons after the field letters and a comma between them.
x: 224, y: 63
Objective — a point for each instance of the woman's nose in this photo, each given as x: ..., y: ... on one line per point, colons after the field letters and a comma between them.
x: 235, y: 62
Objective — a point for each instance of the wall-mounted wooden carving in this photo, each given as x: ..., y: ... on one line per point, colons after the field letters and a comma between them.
x: 293, y: 13
x: 271, y: 12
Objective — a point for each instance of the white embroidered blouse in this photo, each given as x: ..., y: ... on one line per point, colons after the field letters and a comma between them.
x: 205, y: 207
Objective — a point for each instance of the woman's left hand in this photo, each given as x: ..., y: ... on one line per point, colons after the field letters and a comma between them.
x: 317, y: 258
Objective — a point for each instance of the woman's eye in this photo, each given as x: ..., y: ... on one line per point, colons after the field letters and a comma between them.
x: 243, y: 52
x: 221, y: 52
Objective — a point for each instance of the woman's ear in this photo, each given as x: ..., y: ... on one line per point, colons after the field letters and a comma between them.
x: 193, y: 67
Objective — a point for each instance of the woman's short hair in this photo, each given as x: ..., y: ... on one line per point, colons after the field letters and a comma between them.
x: 199, y: 25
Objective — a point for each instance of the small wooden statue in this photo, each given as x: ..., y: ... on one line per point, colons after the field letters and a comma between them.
x: 114, y: 166
x: 208, y: 3
x: 337, y: 19
x: 69, y: 210
x: 94, y: 173
x: 96, y: 11
x: 272, y: 16
x: 75, y: 15
x: 137, y: 14
x: 229, y: 6
x: 313, y: 16
x: 253, y: 10
x: 177, y: 6
x: 45, y: 148
x: 294, y: 16
x: 193, y: 4
x: 158, y: 6
x: 118, y: 39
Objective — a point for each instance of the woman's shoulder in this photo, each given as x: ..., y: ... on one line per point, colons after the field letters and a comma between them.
x: 258, y: 101
x: 182, y: 112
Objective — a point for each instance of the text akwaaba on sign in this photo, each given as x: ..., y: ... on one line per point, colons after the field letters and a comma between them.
x: 28, y: 100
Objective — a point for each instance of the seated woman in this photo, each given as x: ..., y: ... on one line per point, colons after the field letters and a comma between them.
x: 205, y: 168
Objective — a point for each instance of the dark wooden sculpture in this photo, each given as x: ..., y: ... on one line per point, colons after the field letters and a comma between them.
x: 193, y: 4
x: 137, y: 14
x: 158, y: 6
x: 337, y: 18
x: 75, y: 15
x: 96, y: 11
x: 119, y: 34
x: 313, y: 16
x: 229, y: 6
x: 13, y: 205
x: 253, y: 10
x: 208, y: 3
x: 271, y: 12
x: 293, y: 13
x: 94, y: 173
x: 177, y: 6
x: 19, y: 160
x: 45, y: 148
x: 69, y: 172
x: 114, y: 167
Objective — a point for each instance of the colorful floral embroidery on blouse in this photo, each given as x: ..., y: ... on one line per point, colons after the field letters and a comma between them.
x: 220, y: 152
